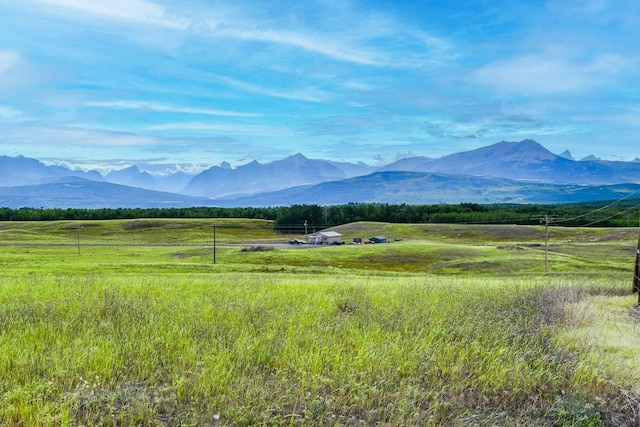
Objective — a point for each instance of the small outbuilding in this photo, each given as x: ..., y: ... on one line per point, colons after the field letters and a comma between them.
x: 378, y: 239
x: 327, y: 238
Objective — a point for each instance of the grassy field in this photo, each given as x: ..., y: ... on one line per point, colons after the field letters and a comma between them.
x: 131, y: 323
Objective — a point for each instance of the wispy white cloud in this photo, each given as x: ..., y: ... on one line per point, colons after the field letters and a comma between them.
x: 10, y: 114
x: 543, y: 74
x: 617, y: 117
x: 129, y: 10
x: 155, y: 166
x: 360, y: 85
x: 9, y: 59
x: 360, y: 45
x: 319, y: 44
x: 579, y: 7
x: 342, y: 31
x: 223, y: 128
x: 349, y: 34
x: 167, y: 108
x: 309, y: 94
x: 18, y: 72
x: 93, y: 148
x: 75, y: 137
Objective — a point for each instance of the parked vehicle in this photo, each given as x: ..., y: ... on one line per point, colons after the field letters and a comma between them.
x: 297, y: 242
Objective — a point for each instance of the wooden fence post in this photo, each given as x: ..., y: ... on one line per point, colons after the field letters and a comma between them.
x: 636, y: 273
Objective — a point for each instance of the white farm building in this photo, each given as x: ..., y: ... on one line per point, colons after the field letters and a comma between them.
x: 327, y: 238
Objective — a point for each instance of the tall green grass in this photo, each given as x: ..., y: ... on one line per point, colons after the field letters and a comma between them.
x: 246, y: 349
x: 447, y: 325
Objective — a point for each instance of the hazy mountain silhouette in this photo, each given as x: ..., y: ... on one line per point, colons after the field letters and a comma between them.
x: 409, y: 164
x: 173, y: 183
x: 514, y: 172
x: 566, y: 154
x: 22, y: 170
x: 133, y: 177
x: 526, y: 160
x: 256, y: 177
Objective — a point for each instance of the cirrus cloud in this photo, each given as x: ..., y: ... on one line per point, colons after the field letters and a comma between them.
x: 544, y: 75
x: 129, y: 10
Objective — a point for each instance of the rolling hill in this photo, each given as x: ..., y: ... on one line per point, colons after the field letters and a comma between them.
x: 432, y: 188
x: 74, y: 192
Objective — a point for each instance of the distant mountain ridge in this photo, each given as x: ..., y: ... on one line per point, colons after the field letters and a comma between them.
x: 218, y: 180
x: 514, y: 172
x: 22, y: 170
x: 255, y: 177
x: 525, y: 160
x: 133, y: 177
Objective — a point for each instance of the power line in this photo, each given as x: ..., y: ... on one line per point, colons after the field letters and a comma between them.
x: 612, y: 216
x: 601, y: 208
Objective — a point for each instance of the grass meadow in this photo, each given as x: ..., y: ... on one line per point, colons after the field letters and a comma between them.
x: 131, y: 323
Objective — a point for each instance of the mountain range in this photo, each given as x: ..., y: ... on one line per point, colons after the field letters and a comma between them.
x: 255, y: 178
x: 21, y: 170
x: 505, y: 172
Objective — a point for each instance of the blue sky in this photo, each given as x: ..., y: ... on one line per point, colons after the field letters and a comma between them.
x: 106, y: 84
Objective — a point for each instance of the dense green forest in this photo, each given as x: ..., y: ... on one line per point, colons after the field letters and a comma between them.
x: 292, y: 218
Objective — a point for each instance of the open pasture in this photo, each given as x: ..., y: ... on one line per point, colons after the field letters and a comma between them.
x: 446, y: 325
x: 187, y: 246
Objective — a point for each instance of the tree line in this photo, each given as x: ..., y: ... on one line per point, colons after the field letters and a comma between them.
x: 293, y: 218
x: 600, y: 214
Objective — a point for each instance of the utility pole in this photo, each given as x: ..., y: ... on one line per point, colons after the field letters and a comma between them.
x: 215, y: 226
x: 546, y: 243
x: 305, y: 230
x: 636, y: 272
x: 78, y: 228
